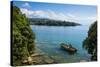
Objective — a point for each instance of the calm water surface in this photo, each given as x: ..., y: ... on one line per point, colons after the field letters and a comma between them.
x: 48, y: 39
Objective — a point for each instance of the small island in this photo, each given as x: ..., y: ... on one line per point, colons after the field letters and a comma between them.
x: 51, y: 22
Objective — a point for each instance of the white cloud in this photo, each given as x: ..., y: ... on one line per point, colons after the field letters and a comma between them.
x: 92, y: 18
x: 26, y: 5
x: 54, y: 15
x: 30, y: 13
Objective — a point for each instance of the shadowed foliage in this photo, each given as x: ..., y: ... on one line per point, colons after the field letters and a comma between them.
x: 90, y: 43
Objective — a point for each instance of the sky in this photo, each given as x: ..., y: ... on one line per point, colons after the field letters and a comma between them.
x: 83, y: 14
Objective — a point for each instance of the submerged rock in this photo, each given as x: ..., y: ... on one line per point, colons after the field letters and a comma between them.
x: 36, y: 54
x: 41, y: 59
x: 49, y: 61
x: 38, y: 58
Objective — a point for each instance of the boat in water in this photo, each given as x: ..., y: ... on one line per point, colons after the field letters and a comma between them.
x: 68, y: 47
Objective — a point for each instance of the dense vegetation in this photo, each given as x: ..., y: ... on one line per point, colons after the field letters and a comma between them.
x: 90, y: 43
x: 50, y: 22
x: 22, y: 37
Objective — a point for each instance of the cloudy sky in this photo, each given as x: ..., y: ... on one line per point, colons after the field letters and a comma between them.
x: 83, y: 14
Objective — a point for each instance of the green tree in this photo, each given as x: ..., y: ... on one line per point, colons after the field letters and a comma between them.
x: 22, y: 37
x: 90, y: 43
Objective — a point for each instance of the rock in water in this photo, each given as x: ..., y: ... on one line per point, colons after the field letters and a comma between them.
x: 49, y: 61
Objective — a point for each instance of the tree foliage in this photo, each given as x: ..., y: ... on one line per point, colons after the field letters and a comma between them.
x: 50, y: 22
x: 22, y: 37
x: 90, y: 43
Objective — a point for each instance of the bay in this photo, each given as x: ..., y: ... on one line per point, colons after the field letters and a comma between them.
x: 48, y: 39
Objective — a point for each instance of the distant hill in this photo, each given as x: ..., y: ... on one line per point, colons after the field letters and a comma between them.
x: 51, y: 22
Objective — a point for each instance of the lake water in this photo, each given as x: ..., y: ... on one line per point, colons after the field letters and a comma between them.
x: 48, y: 39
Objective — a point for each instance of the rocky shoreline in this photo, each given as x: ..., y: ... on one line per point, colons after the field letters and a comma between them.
x: 38, y: 59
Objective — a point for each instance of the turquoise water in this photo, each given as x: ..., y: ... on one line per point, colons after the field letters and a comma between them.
x: 48, y: 39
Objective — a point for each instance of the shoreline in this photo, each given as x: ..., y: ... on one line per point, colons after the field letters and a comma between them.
x: 40, y: 58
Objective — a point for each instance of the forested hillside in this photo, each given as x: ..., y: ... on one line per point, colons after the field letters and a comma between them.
x: 22, y: 37
x: 51, y: 22
x: 90, y: 43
